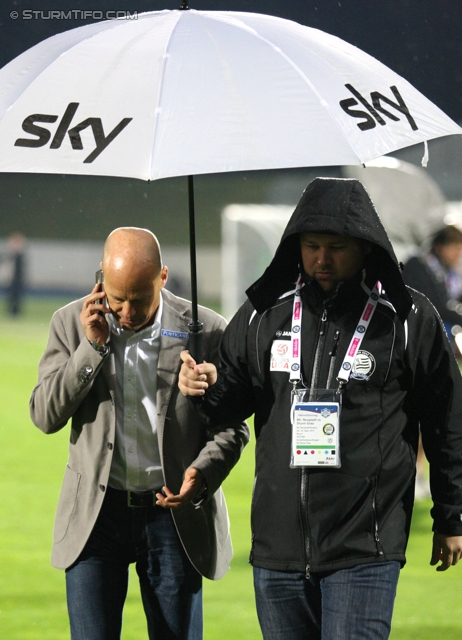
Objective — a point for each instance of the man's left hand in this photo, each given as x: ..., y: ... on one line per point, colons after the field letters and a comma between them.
x: 193, y: 481
x: 447, y: 549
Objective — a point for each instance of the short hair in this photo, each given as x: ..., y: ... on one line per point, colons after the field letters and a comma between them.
x: 447, y: 235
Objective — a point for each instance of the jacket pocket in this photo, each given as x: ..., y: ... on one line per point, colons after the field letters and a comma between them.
x: 342, y: 513
x: 66, y: 504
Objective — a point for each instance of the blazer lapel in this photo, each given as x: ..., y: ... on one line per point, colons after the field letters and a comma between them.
x: 109, y: 373
x: 173, y: 340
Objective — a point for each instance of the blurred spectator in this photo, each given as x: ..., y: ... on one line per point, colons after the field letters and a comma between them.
x: 436, y: 275
x: 15, y: 255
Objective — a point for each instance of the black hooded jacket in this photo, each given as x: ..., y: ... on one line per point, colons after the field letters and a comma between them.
x: 323, y: 519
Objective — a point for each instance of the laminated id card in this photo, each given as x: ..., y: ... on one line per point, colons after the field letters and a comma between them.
x: 315, y: 434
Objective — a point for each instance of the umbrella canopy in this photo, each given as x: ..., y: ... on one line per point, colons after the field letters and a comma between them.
x: 188, y: 92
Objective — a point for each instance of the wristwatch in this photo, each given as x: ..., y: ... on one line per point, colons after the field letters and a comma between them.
x: 101, y: 349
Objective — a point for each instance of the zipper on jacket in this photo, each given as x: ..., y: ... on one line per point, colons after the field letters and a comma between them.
x: 304, y: 479
x: 318, y: 352
x: 333, y: 357
x: 376, y: 521
x: 251, y: 522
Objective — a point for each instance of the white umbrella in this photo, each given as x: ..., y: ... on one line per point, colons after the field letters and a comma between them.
x: 188, y: 92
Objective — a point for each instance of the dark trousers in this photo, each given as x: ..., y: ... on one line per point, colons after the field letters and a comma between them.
x: 349, y: 604
x: 96, y: 584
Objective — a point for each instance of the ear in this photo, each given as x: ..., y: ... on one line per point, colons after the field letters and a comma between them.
x: 163, y: 277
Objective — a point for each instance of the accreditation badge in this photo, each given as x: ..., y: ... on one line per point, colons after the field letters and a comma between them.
x: 315, y: 434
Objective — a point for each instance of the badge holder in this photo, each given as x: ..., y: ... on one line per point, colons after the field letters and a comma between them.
x: 316, y: 428
x: 315, y: 413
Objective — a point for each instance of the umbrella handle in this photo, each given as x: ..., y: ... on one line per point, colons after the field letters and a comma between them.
x: 195, y: 341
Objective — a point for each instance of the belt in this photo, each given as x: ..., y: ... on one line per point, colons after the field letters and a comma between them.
x: 141, y: 498
x: 136, y: 498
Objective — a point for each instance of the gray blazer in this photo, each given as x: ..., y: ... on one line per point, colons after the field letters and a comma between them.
x: 75, y: 383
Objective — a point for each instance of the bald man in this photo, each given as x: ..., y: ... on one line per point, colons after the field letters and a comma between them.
x: 142, y: 483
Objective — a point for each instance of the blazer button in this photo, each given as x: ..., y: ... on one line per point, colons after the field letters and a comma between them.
x: 84, y: 374
x: 109, y: 445
x: 102, y: 487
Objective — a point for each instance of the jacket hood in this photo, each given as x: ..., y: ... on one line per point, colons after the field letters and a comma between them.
x: 332, y: 206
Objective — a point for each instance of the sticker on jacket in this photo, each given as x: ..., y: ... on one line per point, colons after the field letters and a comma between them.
x: 280, y: 355
x: 183, y: 335
x: 364, y: 366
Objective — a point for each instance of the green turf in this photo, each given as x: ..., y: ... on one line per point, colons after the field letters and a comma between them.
x: 32, y: 596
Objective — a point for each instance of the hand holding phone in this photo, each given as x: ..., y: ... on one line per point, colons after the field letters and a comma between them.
x: 93, y: 321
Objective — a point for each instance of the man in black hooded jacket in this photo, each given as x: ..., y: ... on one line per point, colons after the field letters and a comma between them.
x: 331, y: 334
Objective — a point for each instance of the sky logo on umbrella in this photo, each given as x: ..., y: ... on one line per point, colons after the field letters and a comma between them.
x: 372, y: 115
x: 43, y: 135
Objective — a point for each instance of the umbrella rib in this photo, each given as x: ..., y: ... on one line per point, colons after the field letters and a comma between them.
x: 299, y: 71
x: 322, y: 101
x: 158, y: 108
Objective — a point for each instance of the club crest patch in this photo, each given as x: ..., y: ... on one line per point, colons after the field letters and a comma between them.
x: 280, y: 355
x: 364, y: 366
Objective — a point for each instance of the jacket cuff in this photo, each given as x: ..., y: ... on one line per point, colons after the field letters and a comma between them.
x: 201, y: 497
x: 447, y: 519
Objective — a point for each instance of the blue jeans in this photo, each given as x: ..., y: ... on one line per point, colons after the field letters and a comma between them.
x: 96, y: 585
x: 349, y: 604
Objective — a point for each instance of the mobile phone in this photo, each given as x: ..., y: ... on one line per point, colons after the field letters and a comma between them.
x: 99, y: 279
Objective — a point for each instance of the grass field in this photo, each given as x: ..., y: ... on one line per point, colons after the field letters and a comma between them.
x: 32, y: 597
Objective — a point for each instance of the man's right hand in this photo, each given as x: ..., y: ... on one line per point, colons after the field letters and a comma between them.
x: 195, y: 378
x: 92, y: 317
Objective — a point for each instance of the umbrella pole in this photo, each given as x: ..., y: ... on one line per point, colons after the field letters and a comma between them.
x: 195, y: 327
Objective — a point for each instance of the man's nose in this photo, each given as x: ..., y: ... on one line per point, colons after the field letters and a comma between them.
x: 323, y: 256
x: 127, y: 310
